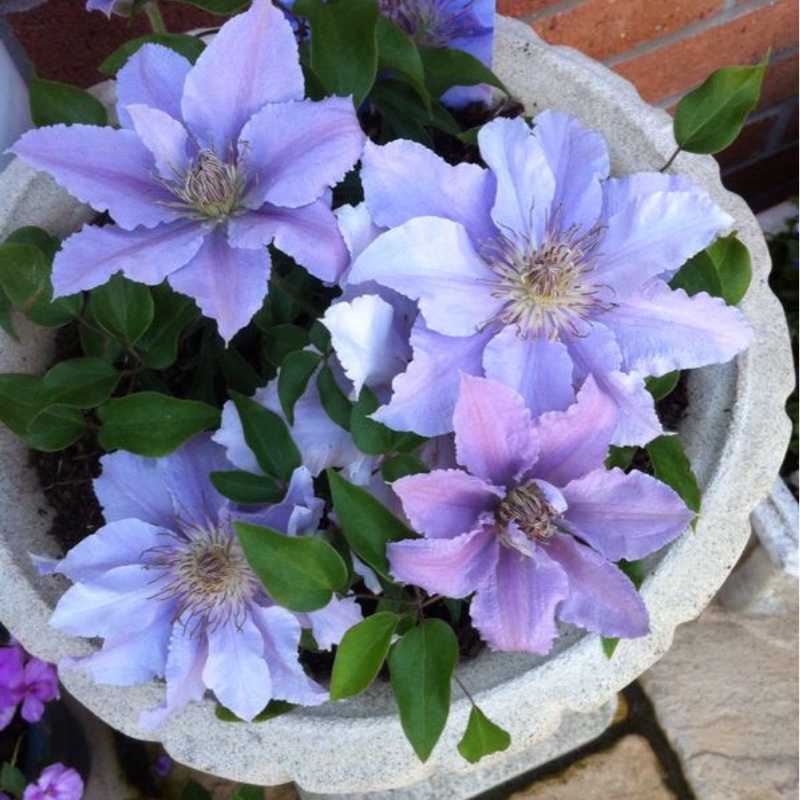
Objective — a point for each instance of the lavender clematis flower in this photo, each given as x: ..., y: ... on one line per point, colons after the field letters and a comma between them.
x: 121, y: 7
x: 166, y: 584
x: 541, y: 271
x: 57, y: 782
x: 213, y: 162
x: 535, y: 520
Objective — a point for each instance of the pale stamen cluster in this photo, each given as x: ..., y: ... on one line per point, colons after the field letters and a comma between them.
x: 527, y: 508
x: 433, y: 23
x: 209, y: 186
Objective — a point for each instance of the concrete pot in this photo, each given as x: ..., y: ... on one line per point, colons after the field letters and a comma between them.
x: 735, y: 432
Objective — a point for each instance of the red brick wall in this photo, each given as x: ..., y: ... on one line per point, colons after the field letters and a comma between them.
x: 667, y: 47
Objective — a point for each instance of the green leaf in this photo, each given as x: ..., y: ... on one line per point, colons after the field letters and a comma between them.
x: 55, y: 428
x: 482, y: 737
x: 369, y: 437
x: 296, y: 371
x: 20, y: 400
x: 188, y: 46
x: 446, y: 67
x: 421, y: 666
x: 283, y: 339
x: 621, y: 457
x: 54, y: 103
x: 38, y: 237
x: 246, y: 488
x: 194, y: 791
x: 248, y: 793
x: 218, y: 6
x: 6, y: 322
x: 333, y: 399
x: 301, y: 573
x: 698, y: 274
x: 25, y: 278
x: 12, y: 779
x: 172, y: 312
x: 344, y: 47
x: 398, y: 53
x: 401, y: 465
x: 662, y: 386
x: 275, y: 708
x: 710, y: 117
x: 268, y: 437
x: 360, y: 654
x: 124, y: 309
x: 80, y: 382
x: 671, y: 465
x: 366, y: 523
x: 152, y: 424
x: 732, y: 261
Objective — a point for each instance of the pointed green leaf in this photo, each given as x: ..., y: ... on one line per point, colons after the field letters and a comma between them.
x: 446, y: 67
x: 188, y: 46
x: 671, y: 465
x: 80, y: 382
x: 20, y: 396
x: 124, y: 309
x: 662, y: 386
x: 296, y: 371
x: 732, y: 261
x: 246, y: 488
x: 275, y: 708
x: 283, y: 339
x: 370, y: 437
x: 218, y: 6
x: 421, y: 665
x: 710, y: 117
x: 54, y: 103
x: 360, y: 654
x: 698, y: 274
x: 6, y: 323
x: 55, y: 428
x: 635, y: 571
x: 152, y: 424
x: 12, y: 780
x: 268, y: 437
x: 401, y: 465
x: 38, y: 237
x: 194, y: 791
x: 366, y: 523
x: 248, y: 793
x: 482, y: 737
x: 172, y: 312
x: 398, y: 53
x: 300, y: 572
x: 333, y: 399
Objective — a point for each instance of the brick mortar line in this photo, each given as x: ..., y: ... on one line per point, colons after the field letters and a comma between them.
x: 717, y: 20
x: 784, y: 117
x: 551, y: 11
x: 772, y: 148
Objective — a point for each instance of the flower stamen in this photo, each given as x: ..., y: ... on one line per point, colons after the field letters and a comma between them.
x: 528, y: 509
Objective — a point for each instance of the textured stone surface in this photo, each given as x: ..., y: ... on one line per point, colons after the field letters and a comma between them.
x: 726, y: 695
x: 627, y: 771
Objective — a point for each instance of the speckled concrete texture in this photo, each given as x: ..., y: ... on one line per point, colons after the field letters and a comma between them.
x: 736, y: 432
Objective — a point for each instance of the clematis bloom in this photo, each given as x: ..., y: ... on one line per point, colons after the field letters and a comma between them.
x: 532, y: 524
x: 213, y: 162
x: 539, y: 272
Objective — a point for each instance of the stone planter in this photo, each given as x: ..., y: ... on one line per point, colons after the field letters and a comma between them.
x: 15, y: 115
x: 735, y: 433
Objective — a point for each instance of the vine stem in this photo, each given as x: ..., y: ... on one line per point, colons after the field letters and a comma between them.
x: 671, y: 159
x: 464, y: 689
x: 155, y: 18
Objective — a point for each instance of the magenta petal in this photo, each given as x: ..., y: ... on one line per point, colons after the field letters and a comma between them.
x: 228, y: 283
x: 153, y: 76
x: 601, y: 598
x: 540, y: 370
x: 252, y: 61
x: 295, y: 151
x: 109, y: 169
x: 310, y: 235
x: 624, y: 516
x: 91, y: 256
x: 446, y: 503
x: 395, y: 194
x: 661, y: 330
x: 452, y: 567
x: 516, y: 610
x: 576, y: 441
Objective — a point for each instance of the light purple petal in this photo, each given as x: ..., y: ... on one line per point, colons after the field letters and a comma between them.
x: 424, y: 396
x: 525, y: 183
x: 601, y: 598
x: 153, y: 76
x: 624, y: 515
x: 280, y: 632
x: 91, y: 256
x: 660, y: 330
x: 118, y: 544
x: 109, y: 169
x: 431, y: 260
x: 403, y: 180
x: 329, y: 624
x: 228, y: 283
x: 617, y: 192
x: 114, y: 604
x: 578, y: 159
x: 252, y: 61
x: 653, y: 234
x: 309, y: 234
x: 131, y: 486
x: 230, y: 435
x: 295, y: 151
x: 235, y: 669
x: 446, y: 503
x: 357, y: 228
x: 494, y: 437
x: 539, y: 369
x: 516, y: 610
x: 452, y: 567
x: 164, y: 137
x: 576, y: 441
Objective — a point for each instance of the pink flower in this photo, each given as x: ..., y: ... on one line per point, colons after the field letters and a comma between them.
x: 56, y: 782
x: 25, y: 681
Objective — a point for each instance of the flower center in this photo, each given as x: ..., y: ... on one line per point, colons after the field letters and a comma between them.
x: 528, y: 509
x: 432, y: 23
x: 549, y: 290
x: 208, y: 577
x: 209, y: 186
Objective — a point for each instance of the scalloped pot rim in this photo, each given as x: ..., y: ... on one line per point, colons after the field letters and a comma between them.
x: 735, y: 431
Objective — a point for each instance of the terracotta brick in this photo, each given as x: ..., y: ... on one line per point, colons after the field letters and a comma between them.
x: 523, y: 8
x: 603, y: 28
x: 780, y: 82
x: 677, y: 67
x: 752, y: 142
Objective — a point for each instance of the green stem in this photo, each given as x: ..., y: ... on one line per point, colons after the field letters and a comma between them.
x: 277, y: 279
x: 671, y: 159
x: 156, y: 20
